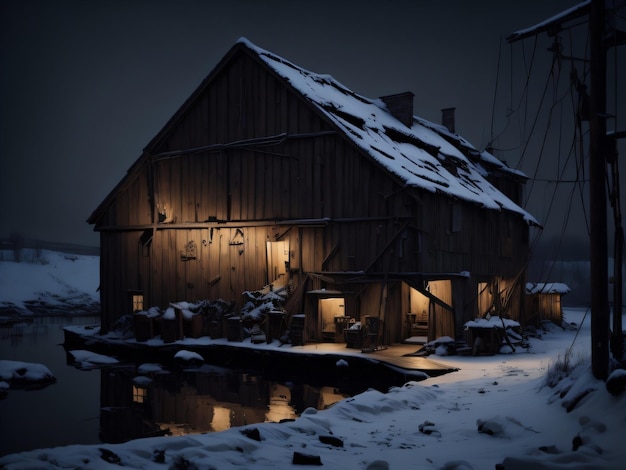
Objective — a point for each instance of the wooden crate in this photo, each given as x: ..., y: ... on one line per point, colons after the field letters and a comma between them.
x: 233, y: 329
x: 484, y: 341
x: 192, y: 327
x: 353, y: 338
x: 172, y: 328
x: 296, y: 330
x: 143, y: 326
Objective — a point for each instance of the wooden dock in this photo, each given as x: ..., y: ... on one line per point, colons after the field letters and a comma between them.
x: 397, y: 358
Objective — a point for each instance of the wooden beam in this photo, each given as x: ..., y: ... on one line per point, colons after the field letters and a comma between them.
x: 377, y: 257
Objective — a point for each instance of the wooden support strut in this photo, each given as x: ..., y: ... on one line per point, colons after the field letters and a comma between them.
x: 379, y: 255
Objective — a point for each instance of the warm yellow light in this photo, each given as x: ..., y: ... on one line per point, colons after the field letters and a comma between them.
x: 221, y: 419
x: 329, y: 396
x: 139, y: 394
x: 137, y: 302
x: 280, y: 407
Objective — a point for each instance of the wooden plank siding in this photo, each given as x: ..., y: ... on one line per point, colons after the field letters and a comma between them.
x: 218, y: 186
x: 544, y: 307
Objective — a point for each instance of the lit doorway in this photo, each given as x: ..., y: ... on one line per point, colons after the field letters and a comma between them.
x: 277, y: 263
x: 430, y: 312
x: 417, y: 318
x: 332, y: 315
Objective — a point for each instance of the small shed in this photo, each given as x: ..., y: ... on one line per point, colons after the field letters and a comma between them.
x: 544, y: 301
x: 487, y: 335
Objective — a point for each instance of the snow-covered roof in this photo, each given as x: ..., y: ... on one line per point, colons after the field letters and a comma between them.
x: 493, y: 321
x: 485, y: 158
x: 553, y: 22
x: 422, y: 155
x: 547, y: 288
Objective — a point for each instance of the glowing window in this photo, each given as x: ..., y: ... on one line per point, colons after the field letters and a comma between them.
x: 137, y: 300
x: 139, y: 394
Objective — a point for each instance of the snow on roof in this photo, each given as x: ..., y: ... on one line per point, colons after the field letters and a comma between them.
x: 462, y: 144
x: 493, y: 321
x: 547, y: 288
x: 420, y: 155
x: 552, y: 22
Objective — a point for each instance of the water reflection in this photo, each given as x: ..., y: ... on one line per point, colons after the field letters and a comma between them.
x: 199, y: 400
x: 66, y: 412
x: 119, y: 402
x: 30, y: 331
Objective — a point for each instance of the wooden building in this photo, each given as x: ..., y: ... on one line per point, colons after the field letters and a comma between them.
x: 273, y: 175
x: 544, y: 301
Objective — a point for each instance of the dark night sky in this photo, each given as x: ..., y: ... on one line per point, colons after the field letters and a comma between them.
x: 85, y: 85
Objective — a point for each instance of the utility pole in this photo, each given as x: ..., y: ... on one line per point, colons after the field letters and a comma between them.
x: 600, y: 312
x: 617, y: 338
x: 597, y: 193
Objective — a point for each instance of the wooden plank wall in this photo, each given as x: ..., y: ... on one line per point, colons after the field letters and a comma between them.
x: 317, y: 177
x: 221, y: 269
x: 471, y: 248
x: 544, y: 307
x: 320, y: 176
x: 119, y: 273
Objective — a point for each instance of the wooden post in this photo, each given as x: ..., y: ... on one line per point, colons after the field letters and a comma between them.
x: 600, y: 313
x: 617, y: 339
x: 597, y: 194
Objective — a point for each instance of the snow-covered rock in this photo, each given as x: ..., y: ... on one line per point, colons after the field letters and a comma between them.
x: 17, y: 374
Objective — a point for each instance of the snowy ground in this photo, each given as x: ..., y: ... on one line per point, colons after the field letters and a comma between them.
x: 539, y: 408
x: 46, y: 282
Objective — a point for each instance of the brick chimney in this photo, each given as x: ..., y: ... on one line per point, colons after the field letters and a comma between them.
x: 447, y: 118
x: 400, y: 106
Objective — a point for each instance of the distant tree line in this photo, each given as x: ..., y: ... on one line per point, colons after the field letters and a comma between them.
x: 17, y: 243
x: 567, y: 261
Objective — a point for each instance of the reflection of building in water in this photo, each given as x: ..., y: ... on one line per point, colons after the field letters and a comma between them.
x: 280, y: 404
x: 189, y: 410
x: 319, y: 398
x: 124, y: 406
x: 196, y: 402
x: 286, y: 402
x: 328, y: 397
x: 139, y: 393
x: 221, y: 418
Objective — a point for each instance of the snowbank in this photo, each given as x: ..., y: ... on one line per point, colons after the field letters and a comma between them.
x: 474, y: 425
x: 55, y: 283
x: 539, y: 408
